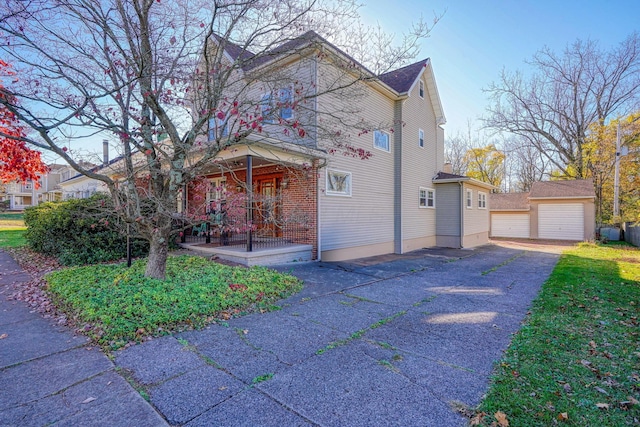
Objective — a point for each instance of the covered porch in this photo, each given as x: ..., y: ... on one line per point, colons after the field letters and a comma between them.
x: 255, y: 207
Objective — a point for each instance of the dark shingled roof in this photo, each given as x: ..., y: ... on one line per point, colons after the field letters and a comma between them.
x: 401, y: 79
x: 445, y: 175
x: 560, y: 189
x: 509, y: 201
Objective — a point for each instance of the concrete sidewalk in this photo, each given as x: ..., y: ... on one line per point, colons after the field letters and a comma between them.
x: 393, y: 341
x: 50, y: 376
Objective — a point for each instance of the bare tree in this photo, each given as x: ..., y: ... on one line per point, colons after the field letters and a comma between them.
x: 554, y: 107
x: 175, y: 83
x: 526, y: 164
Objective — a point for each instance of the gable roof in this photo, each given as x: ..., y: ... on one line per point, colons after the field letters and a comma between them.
x: 579, y: 188
x: 509, y: 201
x: 402, y: 79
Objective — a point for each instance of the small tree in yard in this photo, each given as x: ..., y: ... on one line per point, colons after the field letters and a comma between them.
x: 157, y: 76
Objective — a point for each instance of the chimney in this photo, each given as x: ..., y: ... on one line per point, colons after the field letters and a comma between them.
x: 105, y: 152
x: 447, y: 168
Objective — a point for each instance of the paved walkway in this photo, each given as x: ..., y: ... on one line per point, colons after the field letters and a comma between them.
x: 391, y: 341
x: 49, y: 376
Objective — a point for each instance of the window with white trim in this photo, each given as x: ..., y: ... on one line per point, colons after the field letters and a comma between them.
x: 338, y: 183
x: 421, y: 138
x: 217, y: 127
x: 381, y: 140
x: 482, y: 200
x: 266, y: 108
x: 285, y: 100
x: 427, y: 198
x: 421, y: 89
x: 469, y: 199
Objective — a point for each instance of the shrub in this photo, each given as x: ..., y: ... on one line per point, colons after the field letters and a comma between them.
x: 78, y: 231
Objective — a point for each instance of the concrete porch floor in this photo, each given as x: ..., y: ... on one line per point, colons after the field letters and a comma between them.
x: 259, y: 256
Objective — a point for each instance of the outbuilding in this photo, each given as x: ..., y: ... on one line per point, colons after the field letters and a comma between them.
x: 557, y: 210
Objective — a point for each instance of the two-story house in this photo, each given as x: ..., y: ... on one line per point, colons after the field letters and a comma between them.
x: 22, y: 195
x: 376, y: 193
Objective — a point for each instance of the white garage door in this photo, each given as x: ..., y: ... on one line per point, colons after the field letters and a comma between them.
x: 561, y: 221
x: 510, y: 225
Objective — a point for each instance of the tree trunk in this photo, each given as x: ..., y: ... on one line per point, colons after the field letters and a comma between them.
x: 158, y: 253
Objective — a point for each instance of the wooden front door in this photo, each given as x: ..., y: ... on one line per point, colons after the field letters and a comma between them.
x: 267, y: 212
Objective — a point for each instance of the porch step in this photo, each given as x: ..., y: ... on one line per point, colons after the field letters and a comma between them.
x: 266, y: 256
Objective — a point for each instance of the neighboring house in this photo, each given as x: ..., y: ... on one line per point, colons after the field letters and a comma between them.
x: 393, y: 202
x: 558, y: 210
x: 24, y: 195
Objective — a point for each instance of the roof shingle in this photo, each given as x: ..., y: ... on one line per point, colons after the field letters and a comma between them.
x: 561, y: 189
x: 509, y: 201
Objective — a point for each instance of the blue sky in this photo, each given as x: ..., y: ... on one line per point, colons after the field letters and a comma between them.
x: 475, y: 40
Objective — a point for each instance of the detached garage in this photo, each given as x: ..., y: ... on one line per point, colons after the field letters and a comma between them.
x: 557, y: 210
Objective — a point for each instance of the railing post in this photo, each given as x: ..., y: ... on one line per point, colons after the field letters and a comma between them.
x: 249, y: 183
x: 208, y: 232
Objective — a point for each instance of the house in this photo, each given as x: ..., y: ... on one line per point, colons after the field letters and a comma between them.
x: 26, y: 194
x: 343, y: 206
x: 559, y: 210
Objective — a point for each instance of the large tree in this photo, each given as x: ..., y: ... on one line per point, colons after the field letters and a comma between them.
x: 18, y: 162
x: 153, y: 74
x: 553, y: 107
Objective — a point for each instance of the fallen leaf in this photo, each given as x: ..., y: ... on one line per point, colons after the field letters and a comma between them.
x: 501, y: 417
x: 89, y: 400
x: 477, y: 419
x: 567, y: 388
x: 563, y: 416
x: 602, y: 405
x: 601, y: 390
x: 3, y: 336
x: 633, y: 400
x: 245, y: 331
x: 593, y: 344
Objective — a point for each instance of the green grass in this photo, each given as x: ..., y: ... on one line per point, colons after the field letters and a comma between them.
x: 117, y: 305
x: 12, y: 238
x: 576, y: 361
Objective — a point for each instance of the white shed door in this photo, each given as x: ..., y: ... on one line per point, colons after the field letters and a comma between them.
x: 510, y: 225
x: 561, y: 221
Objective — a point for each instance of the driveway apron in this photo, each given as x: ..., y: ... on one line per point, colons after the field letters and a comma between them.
x: 392, y: 342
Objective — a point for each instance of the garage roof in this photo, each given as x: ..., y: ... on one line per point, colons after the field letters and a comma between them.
x: 509, y: 201
x: 573, y: 189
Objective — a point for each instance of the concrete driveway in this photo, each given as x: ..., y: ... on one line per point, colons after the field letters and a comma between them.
x: 388, y: 341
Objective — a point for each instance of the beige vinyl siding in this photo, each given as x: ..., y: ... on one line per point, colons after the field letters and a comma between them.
x: 365, y: 218
x: 448, y: 212
x: 476, y: 220
x: 419, y: 164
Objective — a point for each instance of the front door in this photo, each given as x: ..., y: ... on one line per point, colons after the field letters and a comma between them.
x: 267, y: 212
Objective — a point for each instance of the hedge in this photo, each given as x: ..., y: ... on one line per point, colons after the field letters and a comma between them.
x: 78, y: 231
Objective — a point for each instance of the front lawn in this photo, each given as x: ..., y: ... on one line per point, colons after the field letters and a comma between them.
x: 576, y: 361
x: 12, y: 238
x: 9, y: 220
x: 115, y: 305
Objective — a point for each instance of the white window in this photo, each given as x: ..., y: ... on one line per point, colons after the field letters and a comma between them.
x: 266, y: 108
x: 421, y: 89
x: 217, y: 127
x: 27, y: 186
x: 216, y: 193
x: 381, y: 140
x: 286, y: 103
x: 469, y: 199
x: 338, y: 183
x: 427, y: 198
x: 482, y: 200
x: 421, y: 138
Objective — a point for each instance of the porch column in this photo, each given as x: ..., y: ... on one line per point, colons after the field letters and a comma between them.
x: 249, y: 202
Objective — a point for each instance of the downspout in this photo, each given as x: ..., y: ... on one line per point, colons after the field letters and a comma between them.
x: 397, y: 179
x: 461, y: 213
